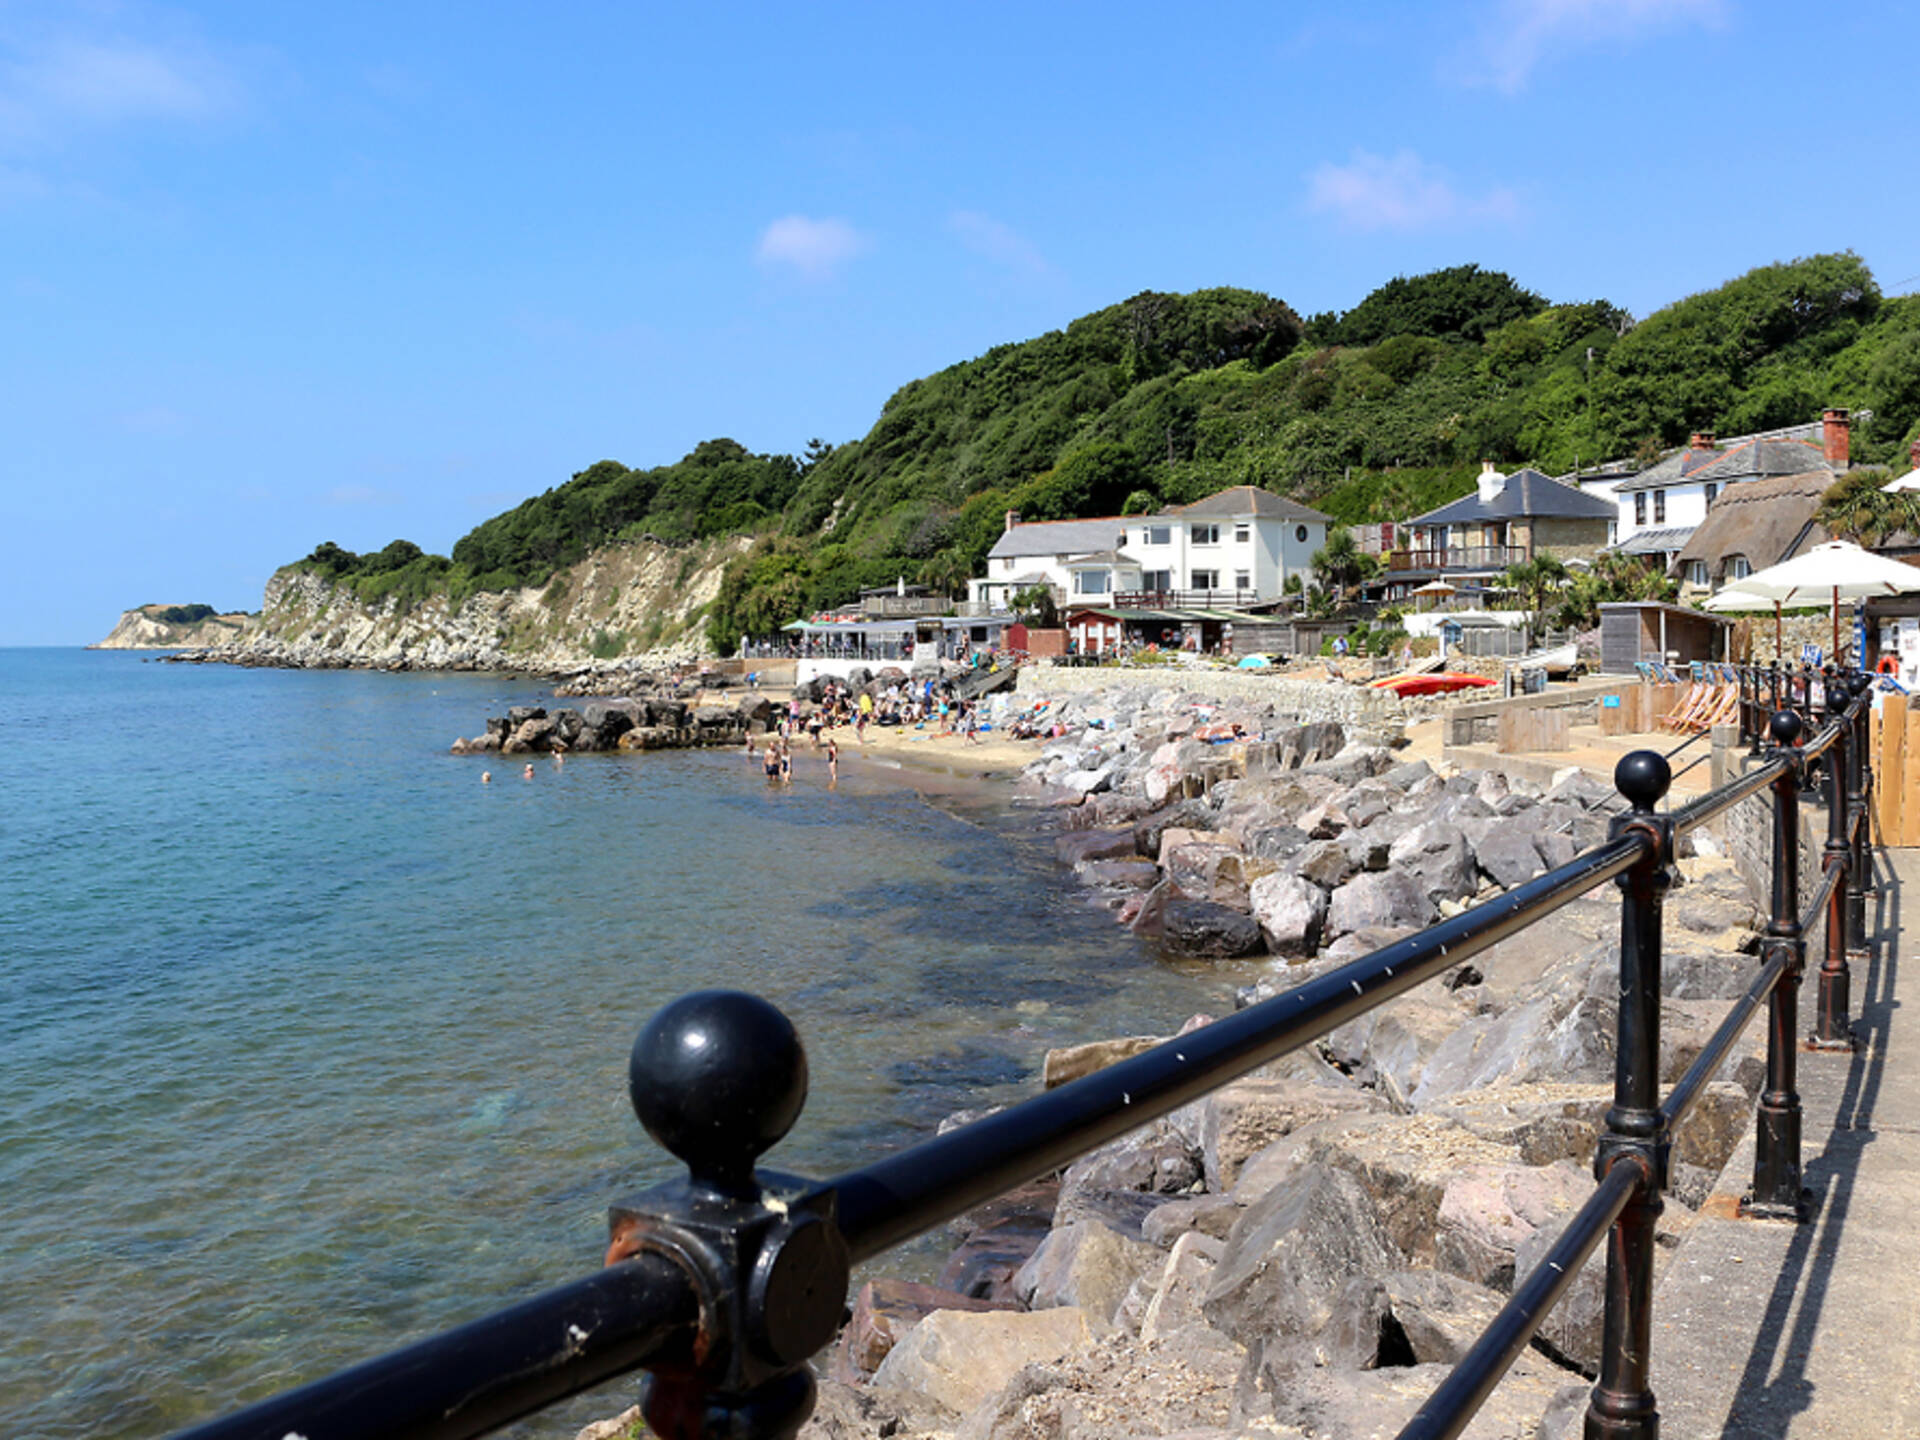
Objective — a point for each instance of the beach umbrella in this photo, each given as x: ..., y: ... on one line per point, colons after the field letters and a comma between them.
x: 1835, y: 571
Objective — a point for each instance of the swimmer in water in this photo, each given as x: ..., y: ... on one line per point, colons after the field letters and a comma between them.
x: 527, y: 774
x: 486, y: 777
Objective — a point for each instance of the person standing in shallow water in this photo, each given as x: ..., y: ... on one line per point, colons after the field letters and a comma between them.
x: 833, y: 763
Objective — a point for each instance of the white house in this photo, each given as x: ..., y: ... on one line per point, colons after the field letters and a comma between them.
x: 1235, y: 547
x: 1661, y: 507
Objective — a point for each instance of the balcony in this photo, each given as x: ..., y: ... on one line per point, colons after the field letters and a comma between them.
x: 1173, y: 599
x: 1457, y: 557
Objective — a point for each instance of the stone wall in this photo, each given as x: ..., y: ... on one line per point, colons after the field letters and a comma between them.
x: 1747, y: 832
x: 1308, y: 700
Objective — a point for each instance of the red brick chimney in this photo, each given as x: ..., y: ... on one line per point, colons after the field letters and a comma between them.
x: 1701, y: 440
x: 1834, y: 428
x: 1013, y: 519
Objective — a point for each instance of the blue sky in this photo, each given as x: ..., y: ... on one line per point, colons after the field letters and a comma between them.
x: 278, y: 274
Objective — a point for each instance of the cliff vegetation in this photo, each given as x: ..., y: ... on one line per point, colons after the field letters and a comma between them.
x: 1375, y: 413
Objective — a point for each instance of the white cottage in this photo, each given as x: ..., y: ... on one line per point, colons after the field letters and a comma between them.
x: 1236, y: 547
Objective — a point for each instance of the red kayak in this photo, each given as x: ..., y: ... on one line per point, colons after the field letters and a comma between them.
x: 1409, y: 685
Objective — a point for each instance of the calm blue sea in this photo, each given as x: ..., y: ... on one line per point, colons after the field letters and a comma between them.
x: 313, y: 1044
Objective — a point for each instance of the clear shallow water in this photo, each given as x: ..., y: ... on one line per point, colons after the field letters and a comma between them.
x: 313, y: 1044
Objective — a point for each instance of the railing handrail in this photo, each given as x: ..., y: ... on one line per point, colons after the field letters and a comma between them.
x: 683, y: 1298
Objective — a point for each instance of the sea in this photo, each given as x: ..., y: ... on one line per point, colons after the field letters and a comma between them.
x: 314, y: 1044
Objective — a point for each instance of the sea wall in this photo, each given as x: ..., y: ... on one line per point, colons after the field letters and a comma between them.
x: 1306, y: 700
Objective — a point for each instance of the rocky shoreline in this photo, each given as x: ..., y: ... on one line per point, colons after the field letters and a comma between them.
x: 1307, y: 1251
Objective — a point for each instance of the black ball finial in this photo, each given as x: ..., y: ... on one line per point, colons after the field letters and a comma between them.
x: 1785, y: 727
x: 1643, y: 777
x: 1860, y: 684
x: 718, y: 1077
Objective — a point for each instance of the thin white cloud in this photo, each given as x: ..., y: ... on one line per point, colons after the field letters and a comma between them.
x: 1520, y: 35
x: 53, y: 85
x: 815, y: 248
x: 1401, y: 192
x: 997, y: 241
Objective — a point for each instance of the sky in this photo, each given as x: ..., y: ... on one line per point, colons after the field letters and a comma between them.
x: 279, y: 274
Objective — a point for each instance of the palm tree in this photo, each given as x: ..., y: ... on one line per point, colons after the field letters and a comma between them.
x: 1340, y: 566
x: 1856, y: 508
x: 1534, y: 581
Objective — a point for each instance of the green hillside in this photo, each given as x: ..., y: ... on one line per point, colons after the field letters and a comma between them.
x: 1374, y: 414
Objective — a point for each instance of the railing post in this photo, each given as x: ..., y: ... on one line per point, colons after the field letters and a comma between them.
x: 718, y: 1077
x: 1622, y: 1405
x: 1776, y: 1158
x: 1859, y: 788
x: 1832, y: 1030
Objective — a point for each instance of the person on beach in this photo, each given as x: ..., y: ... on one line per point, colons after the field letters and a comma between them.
x: 786, y: 766
x: 973, y: 724
x: 833, y: 763
x: 772, y: 761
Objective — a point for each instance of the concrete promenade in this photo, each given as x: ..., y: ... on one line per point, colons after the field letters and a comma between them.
x: 1765, y: 1330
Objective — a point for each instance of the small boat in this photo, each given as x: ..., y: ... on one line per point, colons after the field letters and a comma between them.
x: 1409, y: 685
x: 1561, y: 660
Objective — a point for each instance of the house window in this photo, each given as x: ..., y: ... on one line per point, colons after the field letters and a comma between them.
x: 1157, y: 581
x: 1300, y: 533
x: 1206, y: 535
x: 1696, y: 572
x: 1659, y: 507
x: 1738, y: 568
x: 1157, y: 535
x: 1639, y: 507
x: 1090, y: 582
x: 1242, y: 580
x: 1206, y: 579
x: 1712, y: 490
x: 1242, y: 534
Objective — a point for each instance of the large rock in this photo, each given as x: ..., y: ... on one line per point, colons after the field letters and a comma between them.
x: 1508, y: 855
x: 1181, y: 1286
x: 1204, y: 930
x: 1158, y: 1158
x: 1241, y: 1119
x: 1489, y: 1210
x: 959, y: 1358
x: 1118, y: 874
x: 1379, y: 899
x: 1406, y: 1164
x: 1079, y: 845
x: 1182, y: 815
x: 885, y: 1310
x: 1389, y: 1046
x: 1545, y: 1122
x: 1291, y: 1255
x: 1326, y: 863
x: 1072, y: 1061
x: 997, y: 1239
x: 1290, y: 912
x: 1084, y: 1264
x: 1437, y: 856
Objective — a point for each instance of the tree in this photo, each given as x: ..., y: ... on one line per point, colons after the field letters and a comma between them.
x: 1613, y: 577
x: 946, y: 571
x: 1463, y: 302
x: 1340, y: 566
x: 1856, y: 508
x: 1533, y: 582
x: 1034, y: 605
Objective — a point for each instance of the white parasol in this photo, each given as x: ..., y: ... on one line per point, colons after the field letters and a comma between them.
x: 1835, y: 571
x: 1739, y: 601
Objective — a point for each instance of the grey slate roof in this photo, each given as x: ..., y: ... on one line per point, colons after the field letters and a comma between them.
x: 1246, y: 500
x: 1656, y: 542
x: 1753, y: 460
x: 1103, y: 557
x: 1528, y: 494
x: 1059, y: 537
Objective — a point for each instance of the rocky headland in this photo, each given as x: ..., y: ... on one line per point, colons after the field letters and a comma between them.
x: 1308, y: 1250
x: 640, y: 602
x: 175, y: 627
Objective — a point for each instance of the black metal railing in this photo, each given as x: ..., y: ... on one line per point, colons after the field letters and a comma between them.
x: 724, y: 1284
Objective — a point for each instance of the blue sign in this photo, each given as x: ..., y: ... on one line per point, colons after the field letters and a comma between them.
x: 1610, y: 702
